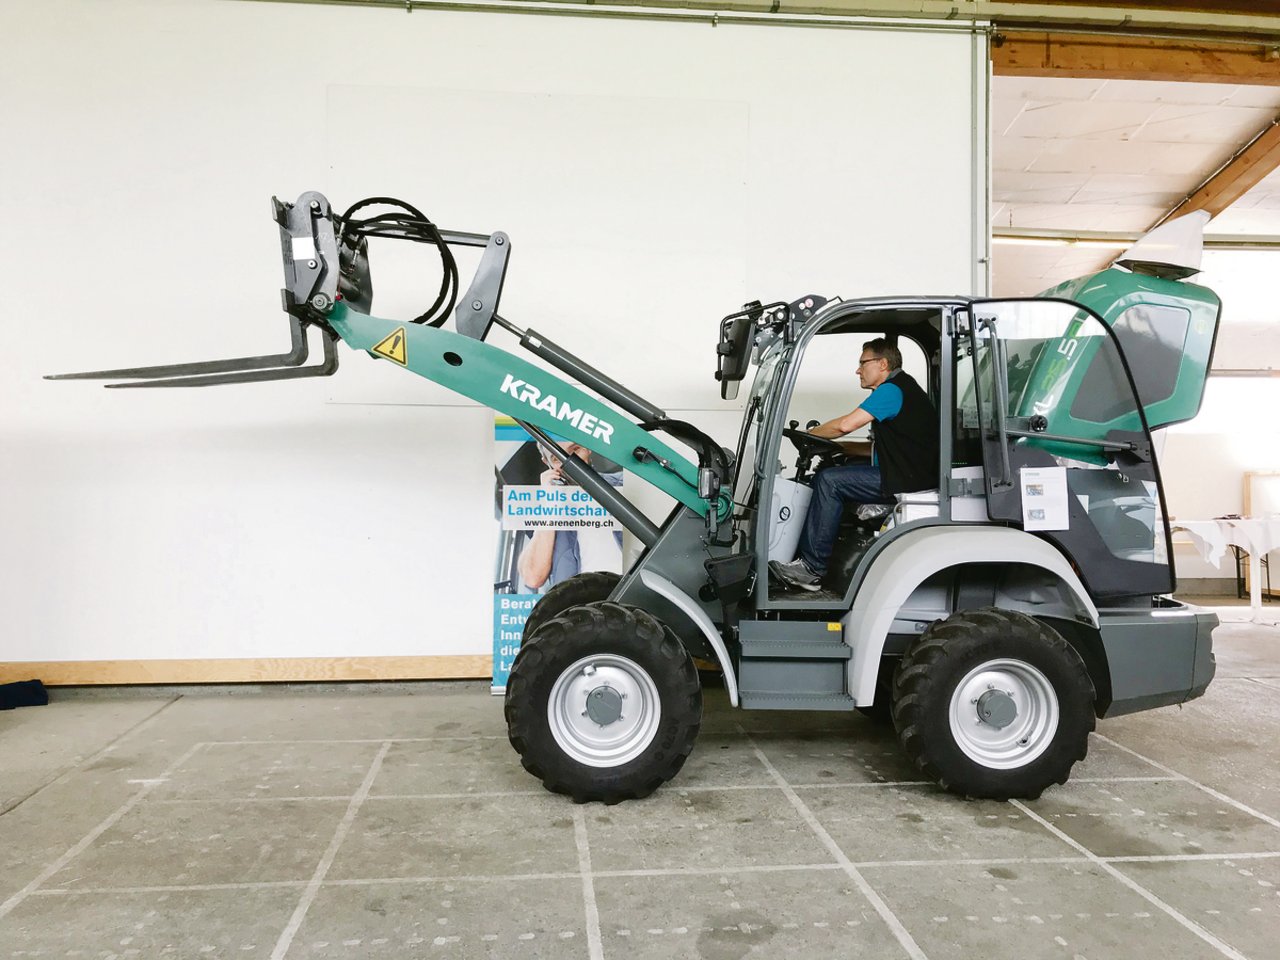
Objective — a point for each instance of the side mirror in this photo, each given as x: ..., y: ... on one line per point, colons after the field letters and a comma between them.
x: 733, y: 353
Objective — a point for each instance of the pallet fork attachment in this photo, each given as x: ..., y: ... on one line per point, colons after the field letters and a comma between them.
x: 309, y: 250
x: 211, y: 373
x: 326, y: 261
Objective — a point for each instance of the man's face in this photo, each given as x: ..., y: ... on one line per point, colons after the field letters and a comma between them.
x: 872, y: 370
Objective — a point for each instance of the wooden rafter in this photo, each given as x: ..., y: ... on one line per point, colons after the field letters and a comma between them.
x: 1130, y: 58
x: 1025, y: 54
x: 1242, y: 172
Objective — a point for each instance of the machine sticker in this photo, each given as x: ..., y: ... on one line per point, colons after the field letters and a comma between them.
x: 833, y: 627
x: 393, y: 348
x: 303, y: 248
x: 1044, y: 498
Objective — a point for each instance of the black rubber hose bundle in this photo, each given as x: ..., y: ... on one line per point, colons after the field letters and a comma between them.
x: 411, y: 225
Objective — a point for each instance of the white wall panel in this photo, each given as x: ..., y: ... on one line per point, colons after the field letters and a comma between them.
x: 1204, y: 461
x: 653, y: 176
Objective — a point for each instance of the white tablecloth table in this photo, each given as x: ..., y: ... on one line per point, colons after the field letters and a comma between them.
x: 1257, y: 536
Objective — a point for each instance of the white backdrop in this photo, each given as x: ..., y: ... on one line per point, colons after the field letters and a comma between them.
x: 653, y: 177
x: 1204, y: 460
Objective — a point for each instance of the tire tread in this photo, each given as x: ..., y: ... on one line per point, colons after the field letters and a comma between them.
x: 589, y: 587
x: 577, y: 631
x: 920, y: 690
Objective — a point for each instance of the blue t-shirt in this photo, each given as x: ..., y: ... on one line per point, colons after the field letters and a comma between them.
x: 884, y: 403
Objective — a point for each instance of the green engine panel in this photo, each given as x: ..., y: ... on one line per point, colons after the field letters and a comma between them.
x: 1166, y: 329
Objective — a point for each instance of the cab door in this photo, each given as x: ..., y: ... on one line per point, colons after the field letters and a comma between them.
x: 1066, y: 449
x: 1167, y: 329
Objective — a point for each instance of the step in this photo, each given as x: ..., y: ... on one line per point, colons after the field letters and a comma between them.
x: 758, y: 700
x: 795, y: 649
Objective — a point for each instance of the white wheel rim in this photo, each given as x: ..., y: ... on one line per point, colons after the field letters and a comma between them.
x: 592, y: 690
x: 1023, y: 738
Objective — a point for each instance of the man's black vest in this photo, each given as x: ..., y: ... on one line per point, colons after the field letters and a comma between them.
x: 906, y: 445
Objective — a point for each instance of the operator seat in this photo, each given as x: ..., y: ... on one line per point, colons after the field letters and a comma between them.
x: 853, y: 540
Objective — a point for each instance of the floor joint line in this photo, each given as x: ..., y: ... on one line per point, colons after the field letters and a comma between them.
x: 322, y: 868
x: 658, y: 872
x: 456, y: 878
x: 1216, y: 794
x: 97, y: 756
x: 173, y: 888
x: 1164, y: 779
x: 896, y: 927
x: 859, y: 784
x: 1220, y: 945
x: 8, y: 905
x: 477, y: 794
x: 321, y: 741
x: 595, y: 946
x: 172, y: 801
x: 1190, y: 857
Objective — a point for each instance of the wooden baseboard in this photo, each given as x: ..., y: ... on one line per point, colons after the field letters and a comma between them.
x: 65, y: 673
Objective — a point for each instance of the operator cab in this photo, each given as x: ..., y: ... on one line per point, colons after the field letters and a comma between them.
x: 826, y: 387
x: 811, y: 378
x: 1046, y: 407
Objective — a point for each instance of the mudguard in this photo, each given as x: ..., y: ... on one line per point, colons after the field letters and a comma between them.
x: 915, y: 556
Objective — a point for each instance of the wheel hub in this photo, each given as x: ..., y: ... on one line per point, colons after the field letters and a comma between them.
x: 604, y: 710
x: 1004, y: 713
x: 997, y: 708
x: 604, y: 705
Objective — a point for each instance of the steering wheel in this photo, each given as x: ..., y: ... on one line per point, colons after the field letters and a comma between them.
x: 810, y: 446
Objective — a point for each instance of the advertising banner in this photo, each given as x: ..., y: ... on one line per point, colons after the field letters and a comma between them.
x: 549, y: 530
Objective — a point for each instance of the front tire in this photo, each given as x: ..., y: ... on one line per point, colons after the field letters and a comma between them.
x: 589, y: 587
x: 992, y: 703
x: 603, y: 703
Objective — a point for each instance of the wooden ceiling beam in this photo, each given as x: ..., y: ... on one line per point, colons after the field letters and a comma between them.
x: 1047, y: 54
x: 1236, y: 177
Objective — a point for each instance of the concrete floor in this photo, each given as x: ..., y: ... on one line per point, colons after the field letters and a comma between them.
x: 397, y: 822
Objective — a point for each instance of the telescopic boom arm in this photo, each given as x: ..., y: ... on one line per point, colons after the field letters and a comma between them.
x: 328, y: 286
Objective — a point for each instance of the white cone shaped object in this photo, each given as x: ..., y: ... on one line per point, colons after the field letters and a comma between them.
x: 1172, y: 250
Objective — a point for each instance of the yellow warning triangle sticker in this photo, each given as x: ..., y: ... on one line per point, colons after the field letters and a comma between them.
x: 393, y: 348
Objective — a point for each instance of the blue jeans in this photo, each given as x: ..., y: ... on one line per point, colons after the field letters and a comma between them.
x: 832, y: 488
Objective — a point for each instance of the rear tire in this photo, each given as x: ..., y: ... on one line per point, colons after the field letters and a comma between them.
x: 992, y: 703
x: 603, y: 703
x: 589, y: 587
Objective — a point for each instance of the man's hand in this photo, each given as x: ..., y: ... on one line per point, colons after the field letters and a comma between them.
x: 856, y: 448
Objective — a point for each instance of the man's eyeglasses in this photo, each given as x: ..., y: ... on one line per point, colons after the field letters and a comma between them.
x: 868, y: 360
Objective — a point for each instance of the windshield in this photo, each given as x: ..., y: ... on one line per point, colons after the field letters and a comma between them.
x: 766, y: 372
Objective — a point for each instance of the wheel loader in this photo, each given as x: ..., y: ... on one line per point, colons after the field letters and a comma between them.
x: 992, y: 617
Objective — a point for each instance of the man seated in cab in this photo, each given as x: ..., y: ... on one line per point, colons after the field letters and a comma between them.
x: 903, y: 453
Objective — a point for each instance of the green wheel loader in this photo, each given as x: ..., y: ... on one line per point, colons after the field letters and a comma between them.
x: 993, y: 616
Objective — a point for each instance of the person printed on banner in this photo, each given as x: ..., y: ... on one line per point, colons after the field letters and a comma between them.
x: 549, y: 556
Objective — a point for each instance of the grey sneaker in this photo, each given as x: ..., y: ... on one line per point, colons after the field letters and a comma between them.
x: 796, y: 574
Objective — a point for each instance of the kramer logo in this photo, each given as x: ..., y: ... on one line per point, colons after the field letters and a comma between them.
x: 587, y: 423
